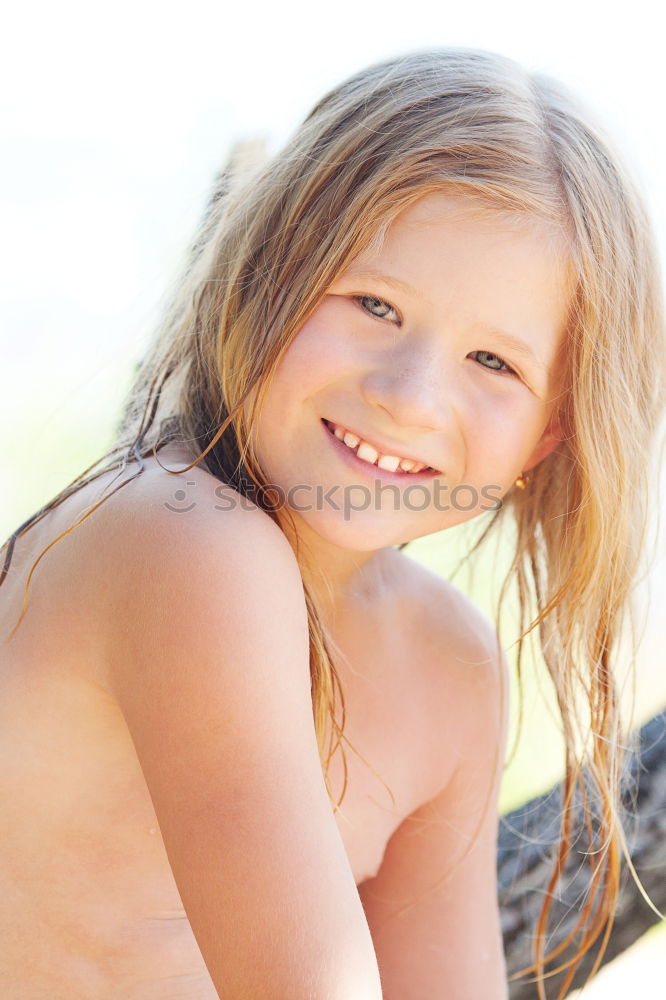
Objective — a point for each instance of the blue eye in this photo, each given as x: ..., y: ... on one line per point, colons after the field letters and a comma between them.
x: 503, y: 369
x: 506, y: 369
x: 362, y: 299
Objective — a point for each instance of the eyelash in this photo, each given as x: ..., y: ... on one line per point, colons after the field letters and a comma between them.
x: 507, y: 370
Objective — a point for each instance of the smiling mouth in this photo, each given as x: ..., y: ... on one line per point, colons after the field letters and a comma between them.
x: 370, y: 457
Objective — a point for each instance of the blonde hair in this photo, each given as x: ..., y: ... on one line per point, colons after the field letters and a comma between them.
x: 276, y: 235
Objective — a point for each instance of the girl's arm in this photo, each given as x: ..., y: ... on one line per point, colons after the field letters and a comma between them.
x: 448, y: 944
x: 209, y: 663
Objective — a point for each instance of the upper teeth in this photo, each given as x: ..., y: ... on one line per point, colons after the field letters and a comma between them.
x: 367, y: 453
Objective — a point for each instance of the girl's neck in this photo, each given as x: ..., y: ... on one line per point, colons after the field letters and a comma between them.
x: 340, y: 581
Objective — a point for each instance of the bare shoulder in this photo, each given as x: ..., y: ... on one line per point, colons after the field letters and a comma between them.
x: 167, y: 503
x: 460, y: 661
x: 66, y: 569
x: 178, y: 540
x: 439, y: 611
x: 124, y: 544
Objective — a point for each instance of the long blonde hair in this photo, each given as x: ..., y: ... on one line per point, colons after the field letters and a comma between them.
x: 276, y: 235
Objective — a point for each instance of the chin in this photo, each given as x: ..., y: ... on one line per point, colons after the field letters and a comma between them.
x: 355, y: 531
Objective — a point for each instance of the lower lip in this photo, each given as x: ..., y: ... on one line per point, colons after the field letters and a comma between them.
x: 373, y: 472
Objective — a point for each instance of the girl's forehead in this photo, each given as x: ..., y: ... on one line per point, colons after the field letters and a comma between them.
x: 454, y: 211
x: 444, y: 206
x: 441, y: 231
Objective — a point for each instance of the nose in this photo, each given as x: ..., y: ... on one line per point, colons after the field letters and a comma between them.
x: 413, y: 392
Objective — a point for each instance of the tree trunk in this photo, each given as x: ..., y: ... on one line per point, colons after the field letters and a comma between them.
x: 527, y: 842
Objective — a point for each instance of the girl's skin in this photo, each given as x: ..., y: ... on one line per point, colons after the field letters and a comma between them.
x: 158, y: 762
x: 404, y: 378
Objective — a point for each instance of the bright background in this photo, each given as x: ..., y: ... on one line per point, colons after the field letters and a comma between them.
x: 114, y: 120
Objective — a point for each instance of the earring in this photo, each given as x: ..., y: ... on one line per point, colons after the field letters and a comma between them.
x: 521, y: 481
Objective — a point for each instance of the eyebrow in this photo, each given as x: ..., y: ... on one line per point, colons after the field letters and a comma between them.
x: 501, y: 336
x: 371, y: 272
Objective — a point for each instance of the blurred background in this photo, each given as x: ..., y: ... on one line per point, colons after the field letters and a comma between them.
x: 114, y: 121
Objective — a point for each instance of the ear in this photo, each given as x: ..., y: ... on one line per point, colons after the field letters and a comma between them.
x: 549, y: 440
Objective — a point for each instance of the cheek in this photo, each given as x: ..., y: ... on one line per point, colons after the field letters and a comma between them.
x: 308, y: 364
x: 499, y: 424
x: 316, y: 353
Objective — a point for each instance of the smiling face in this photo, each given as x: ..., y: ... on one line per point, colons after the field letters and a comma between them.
x: 445, y: 347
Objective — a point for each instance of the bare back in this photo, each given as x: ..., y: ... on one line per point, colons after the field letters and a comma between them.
x: 82, y: 863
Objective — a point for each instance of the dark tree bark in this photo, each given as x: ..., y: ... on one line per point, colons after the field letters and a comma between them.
x: 527, y: 842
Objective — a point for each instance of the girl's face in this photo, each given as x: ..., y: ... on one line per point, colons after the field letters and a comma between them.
x: 446, y: 348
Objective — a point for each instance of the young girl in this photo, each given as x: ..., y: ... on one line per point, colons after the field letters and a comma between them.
x: 249, y: 749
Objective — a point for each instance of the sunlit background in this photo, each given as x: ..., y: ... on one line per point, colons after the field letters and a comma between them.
x: 115, y: 119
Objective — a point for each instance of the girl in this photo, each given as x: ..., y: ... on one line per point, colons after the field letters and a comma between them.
x: 249, y: 748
